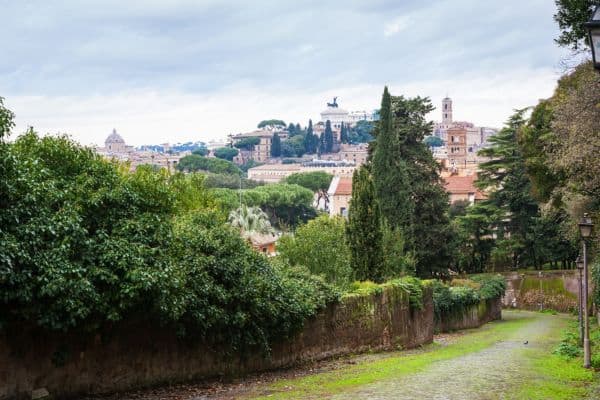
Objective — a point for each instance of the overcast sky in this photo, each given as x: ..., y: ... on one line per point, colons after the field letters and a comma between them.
x: 173, y: 71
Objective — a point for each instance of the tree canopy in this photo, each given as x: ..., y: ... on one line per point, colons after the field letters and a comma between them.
x: 571, y: 15
x: 320, y: 245
x: 226, y: 153
x: 315, y: 181
x: 194, y: 162
x: 272, y: 123
x: 247, y: 143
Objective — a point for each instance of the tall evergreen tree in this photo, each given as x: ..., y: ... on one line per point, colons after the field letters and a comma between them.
x: 309, y: 139
x: 518, y: 221
x: 343, y: 133
x: 390, y: 172
x: 407, y: 183
x: 276, y: 146
x: 363, y: 229
x: 291, y: 129
x: 328, y: 138
x: 322, y: 147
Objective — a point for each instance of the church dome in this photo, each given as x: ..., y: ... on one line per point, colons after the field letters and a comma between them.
x: 114, y: 137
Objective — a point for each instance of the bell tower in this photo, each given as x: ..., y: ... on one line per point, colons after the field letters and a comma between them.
x: 447, y: 111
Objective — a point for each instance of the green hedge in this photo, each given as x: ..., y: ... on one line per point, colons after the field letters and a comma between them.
x: 412, y: 286
x: 449, y: 299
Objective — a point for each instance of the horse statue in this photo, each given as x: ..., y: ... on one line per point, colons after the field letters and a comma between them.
x: 334, y: 104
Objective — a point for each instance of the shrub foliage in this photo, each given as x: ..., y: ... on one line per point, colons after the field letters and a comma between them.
x: 84, y: 244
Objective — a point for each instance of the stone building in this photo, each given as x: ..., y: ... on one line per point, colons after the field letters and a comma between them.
x: 356, y: 153
x: 463, y: 188
x: 274, y: 173
x: 339, y: 193
x: 260, y: 152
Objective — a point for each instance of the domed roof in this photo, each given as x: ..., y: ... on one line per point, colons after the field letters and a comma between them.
x: 114, y: 137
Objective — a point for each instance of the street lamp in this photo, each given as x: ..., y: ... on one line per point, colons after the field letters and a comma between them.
x: 593, y: 27
x: 579, y: 263
x: 585, y: 229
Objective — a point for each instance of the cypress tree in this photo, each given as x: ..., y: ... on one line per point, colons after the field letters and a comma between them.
x: 328, y: 138
x: 408, y: 186
x: 343, y: 134
x: 309, y: 139
x: 390, y: 172
x: 276, y: 146
x: 363, y: 229
x: 322, y: 146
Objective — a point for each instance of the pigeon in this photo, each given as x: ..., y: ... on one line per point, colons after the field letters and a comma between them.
x: 526, y: 342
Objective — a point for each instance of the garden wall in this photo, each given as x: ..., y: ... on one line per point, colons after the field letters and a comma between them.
x: 132, y: 357
x: 556, y: 290
x: 470, y: 317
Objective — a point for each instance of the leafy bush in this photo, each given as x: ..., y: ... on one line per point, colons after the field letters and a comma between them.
x: 462, y: 293
x: 84, y: 244
x: 320, y: 245
x: 365, y: 288
x: 412, y: 286
x: 569, y: 344
x: 492, y: 286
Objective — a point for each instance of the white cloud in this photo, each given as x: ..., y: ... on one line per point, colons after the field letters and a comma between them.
x: 395, y: 26
x: 144, y: 117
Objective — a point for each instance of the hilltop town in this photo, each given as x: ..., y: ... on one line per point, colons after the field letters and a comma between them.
x: 337, y: 144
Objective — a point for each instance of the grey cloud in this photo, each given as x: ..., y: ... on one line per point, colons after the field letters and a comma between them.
x: 58, y: 48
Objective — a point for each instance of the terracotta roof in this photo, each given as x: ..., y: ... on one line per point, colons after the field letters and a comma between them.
x: 460, y: 184
x: 463, y: 184
x: 344, y: 187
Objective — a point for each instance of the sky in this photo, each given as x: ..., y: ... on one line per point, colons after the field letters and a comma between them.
x: 182, y: 70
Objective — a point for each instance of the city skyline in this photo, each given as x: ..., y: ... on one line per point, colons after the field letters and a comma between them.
x: 200, y: 71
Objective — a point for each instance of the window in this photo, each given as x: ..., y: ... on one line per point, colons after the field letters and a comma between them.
x: 343, y: 212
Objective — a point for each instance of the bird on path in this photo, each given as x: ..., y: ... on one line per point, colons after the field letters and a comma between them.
x: 526, y: 342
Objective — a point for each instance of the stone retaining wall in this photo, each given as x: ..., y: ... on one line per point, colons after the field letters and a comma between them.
x: 556, y: 290
x: 132, y: 357
x: 470, y: 317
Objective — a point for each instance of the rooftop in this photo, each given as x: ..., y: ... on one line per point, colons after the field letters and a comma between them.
x: 463, y: 184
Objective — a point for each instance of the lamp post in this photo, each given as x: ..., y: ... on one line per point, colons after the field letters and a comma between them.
x: 579, y: 263
x: 585, y: 229
x: 593, y: 28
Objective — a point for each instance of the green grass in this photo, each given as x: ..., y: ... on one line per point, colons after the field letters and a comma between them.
x: 396, y: 365
x: 554, y: 376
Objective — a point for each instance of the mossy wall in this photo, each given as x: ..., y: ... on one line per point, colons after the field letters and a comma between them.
x: 468, y: 317
x: 555, y: 290
x: 139, y: 356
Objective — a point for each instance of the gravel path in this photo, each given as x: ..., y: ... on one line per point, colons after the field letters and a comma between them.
x: 489, y: 374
